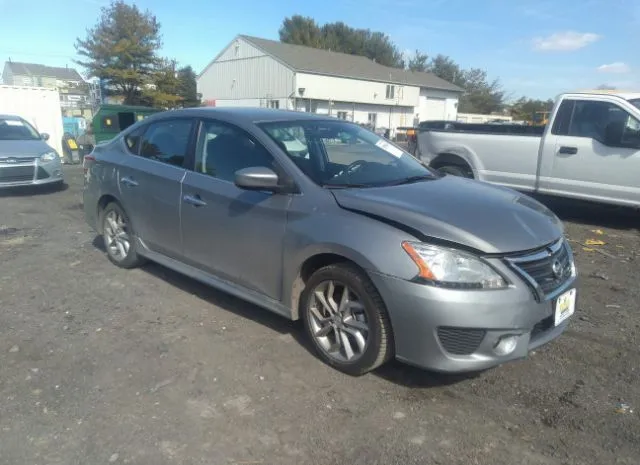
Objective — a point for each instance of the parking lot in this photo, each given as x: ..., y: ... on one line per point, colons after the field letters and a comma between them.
x: 103, y: 365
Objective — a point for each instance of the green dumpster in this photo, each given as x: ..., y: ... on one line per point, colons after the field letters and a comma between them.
x: 109, y: 120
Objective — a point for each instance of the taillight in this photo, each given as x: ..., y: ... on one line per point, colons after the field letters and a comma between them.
x: 87, y: 158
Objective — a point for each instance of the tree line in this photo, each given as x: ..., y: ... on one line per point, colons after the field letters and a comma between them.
x: 482, y: 95
x: 122, y: 50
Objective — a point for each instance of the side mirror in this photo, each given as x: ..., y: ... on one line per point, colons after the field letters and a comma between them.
x: 44, y: 136
x: 257, y: 178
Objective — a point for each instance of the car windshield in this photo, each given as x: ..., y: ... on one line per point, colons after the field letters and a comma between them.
x: 338, y: 154
x: 17, y: 129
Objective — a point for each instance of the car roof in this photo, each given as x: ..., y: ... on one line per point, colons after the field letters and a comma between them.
x: 244, y: 115
x: 14, y: 117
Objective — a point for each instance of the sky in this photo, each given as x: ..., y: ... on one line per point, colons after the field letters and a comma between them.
x: 537, y: 48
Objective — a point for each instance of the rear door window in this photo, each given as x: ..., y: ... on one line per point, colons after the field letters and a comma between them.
x: 167, y: 141
x: 133, y: 139
x: 563, y: 118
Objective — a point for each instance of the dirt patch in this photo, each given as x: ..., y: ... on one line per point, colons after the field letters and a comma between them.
x: 102, y: 365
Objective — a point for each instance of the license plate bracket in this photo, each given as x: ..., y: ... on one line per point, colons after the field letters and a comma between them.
x: 564, y: 306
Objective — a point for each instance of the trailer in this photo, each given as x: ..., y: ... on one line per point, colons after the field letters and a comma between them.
x: 39, y: 106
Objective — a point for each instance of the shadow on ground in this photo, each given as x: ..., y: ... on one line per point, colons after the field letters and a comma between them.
x: 31, y: 191
x: 394, y: 372
x: 592, y: 214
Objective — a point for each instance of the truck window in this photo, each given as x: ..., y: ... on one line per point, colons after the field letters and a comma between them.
x: 593, y: 120
x: 563, y: 118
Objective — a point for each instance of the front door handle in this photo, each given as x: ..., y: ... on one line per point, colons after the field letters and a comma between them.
x: 568, y: 150
x: 194, y: 200
x: 127, y: 181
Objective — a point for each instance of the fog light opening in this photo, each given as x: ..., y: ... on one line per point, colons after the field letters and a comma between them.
x: 506, y: 344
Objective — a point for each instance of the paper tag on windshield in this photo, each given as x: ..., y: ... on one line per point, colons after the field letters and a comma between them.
x: 13, y: 122
x: 387, y: 147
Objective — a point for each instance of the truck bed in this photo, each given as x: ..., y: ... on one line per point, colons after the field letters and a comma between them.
x: 502, y: 154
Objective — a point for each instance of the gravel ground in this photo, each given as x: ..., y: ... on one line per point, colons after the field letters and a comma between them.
x: 102, y: 365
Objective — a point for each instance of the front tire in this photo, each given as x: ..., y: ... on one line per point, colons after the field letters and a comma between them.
x: 119, y: 239
x: 346, y: 319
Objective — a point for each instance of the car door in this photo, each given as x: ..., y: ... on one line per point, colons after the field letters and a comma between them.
x: 235, y: 234
x: 150, y: 182
x: 585, y: 158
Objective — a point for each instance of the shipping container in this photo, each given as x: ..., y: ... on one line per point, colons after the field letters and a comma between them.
x: 39, y: 106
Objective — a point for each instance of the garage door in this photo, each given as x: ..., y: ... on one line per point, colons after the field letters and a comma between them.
x: 436, y: 109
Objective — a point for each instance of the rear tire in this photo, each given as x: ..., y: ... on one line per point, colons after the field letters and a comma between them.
x: 456, y: 170
x: 348, y: 324
x: 119, y: 238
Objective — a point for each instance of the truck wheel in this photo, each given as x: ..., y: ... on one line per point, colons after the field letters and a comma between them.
x: 456, y: 170
x: 346, y: 319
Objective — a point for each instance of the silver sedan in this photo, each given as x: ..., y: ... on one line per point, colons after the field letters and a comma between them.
x: 321, y: 220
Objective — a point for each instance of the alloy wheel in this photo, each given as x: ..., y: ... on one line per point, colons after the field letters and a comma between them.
x: 338, y: 321
x: 117, y: 239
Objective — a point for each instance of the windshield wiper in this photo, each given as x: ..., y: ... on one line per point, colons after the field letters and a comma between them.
x: 411, y: 179
x: 344, y: 186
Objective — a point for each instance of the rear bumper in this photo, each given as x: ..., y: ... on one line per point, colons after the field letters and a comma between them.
x: 458, y: 331
x: 30, y: 173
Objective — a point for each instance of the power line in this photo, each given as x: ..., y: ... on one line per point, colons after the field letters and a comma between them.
x: 56, y: 55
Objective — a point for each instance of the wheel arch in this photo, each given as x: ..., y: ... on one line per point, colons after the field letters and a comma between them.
x: 456, y: 159
x: 315, y: 259
x: 103, y: 201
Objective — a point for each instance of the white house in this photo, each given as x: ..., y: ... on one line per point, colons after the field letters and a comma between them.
x: 264, y: 73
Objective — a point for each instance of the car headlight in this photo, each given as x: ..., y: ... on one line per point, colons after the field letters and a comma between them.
x: 452, y: 268
x: 49, y: 156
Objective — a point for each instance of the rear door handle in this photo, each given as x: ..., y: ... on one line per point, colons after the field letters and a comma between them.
x: 568, y: 150
x: 194, y: 200
x: 127, y: 181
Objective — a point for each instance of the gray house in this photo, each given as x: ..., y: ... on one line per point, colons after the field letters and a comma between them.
x: 74, y: 91
x: 31, y: 74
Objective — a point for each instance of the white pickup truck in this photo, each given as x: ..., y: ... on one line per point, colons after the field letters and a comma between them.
x: 589, y: 150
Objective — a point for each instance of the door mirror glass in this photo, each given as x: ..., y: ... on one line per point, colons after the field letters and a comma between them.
x: 257, y: 178
x: 44, y: 136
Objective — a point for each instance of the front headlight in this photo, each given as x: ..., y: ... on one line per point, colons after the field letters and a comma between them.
x: 452, y: 268
x: 49, y: 156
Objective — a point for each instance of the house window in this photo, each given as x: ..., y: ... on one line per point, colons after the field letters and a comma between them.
x: 342, y: 115
x: 273, y: 104
x: 371, y: 119
x: 311, y: 106
x: 390, y: 92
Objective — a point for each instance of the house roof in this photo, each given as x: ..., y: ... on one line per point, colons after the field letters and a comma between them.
x: 33, y: 69
x: 318, y: 61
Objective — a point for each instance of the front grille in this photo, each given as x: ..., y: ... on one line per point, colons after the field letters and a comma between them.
x: 460, y: 341
x: 16, y: 173
x: 546, y: 270
x: 12, y: 160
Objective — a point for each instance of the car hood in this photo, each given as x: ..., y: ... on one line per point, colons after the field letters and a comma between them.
x: 23, y: 148
x: 478, y: 215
